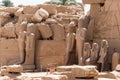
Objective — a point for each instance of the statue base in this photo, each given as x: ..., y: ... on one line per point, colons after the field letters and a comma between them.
x: 28, y: 67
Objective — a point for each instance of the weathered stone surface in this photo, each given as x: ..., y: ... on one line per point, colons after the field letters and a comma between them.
x: 84, y: 71
x: 51, y: 9
x: 10, y: 48
x: 52, y: 77
x: 58, y: 31
x: 93, y: 1
x: 30, y: 9
x: 45, y: 30
x: 8, y: 30
x: 14, y: 68
x: 50, y: 52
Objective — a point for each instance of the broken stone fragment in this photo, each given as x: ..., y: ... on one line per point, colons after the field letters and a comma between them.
x: 19, y: 12
x: 50, y: 21
x: 8, y: 31
x: 85, y: 71
x: 58, y: 31
x: 44, y: 14
x: 37, y: 17
x: 50, y: 8
x: 45, y: 30
x: 14, y: 68
x: 30, y: 9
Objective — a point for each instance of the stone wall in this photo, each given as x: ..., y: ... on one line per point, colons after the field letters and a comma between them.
x: 48, y: 52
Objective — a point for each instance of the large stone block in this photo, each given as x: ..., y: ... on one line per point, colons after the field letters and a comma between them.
x: 48, y: 48
x: 30, y: 9
x: 58, y: 31
x: 9, y: 53
x: 93, y: 1
x: 51, y: 9
x: 50, y: 52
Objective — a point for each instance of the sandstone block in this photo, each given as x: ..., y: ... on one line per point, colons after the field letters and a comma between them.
x: 44, y: 61
x: 37, y: 17
x: 45, y: 30
x: 43, y: 13
x: 30, y: 9
x: 19, y: 12
x: 58, y: 31
x: 9, y: 9
x: 45, y: 48
x: 51, y: 21
x: 54, y: 77
x: 14, y: 68
x: 8, y: 30
x: 4, y: 72
x: 93, y: 1
x: 84, y: 71
x: 51, y: 9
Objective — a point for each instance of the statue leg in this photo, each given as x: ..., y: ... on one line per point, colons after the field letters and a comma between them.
x: 21, y: 46
x: 30, y: 49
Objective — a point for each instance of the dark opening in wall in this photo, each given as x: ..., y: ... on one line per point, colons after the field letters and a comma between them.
x: 102, y: 4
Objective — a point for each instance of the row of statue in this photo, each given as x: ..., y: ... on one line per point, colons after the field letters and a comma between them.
x: 86, y: 54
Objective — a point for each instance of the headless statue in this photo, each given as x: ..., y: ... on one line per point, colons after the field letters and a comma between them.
x: 30, y: 49
x: 86, y: 53
x: 80, y: 38
x: 92, y: 60
x: 70, y: 40
x: 103, y: 53
x: 21, y: 45
x: 115, y: 59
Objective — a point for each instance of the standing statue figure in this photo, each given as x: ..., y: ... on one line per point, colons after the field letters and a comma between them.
x: 92, y: 60
x: 103, y: 53
x: 70, y: 40
x: 115, y: 59
x: 80, y: 38
x: 21, y: 46
x: 30, y: 49
x: 86, y: 53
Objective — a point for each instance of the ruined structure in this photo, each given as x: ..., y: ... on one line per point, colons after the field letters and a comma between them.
x: 35, y: 36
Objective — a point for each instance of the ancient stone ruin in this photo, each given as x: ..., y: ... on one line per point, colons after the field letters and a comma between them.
x: 56, y: 42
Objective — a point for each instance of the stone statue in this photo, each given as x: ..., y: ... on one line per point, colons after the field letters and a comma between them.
x: 92, y: 60
x: 115, y: 59
x: 86, y: 53
x: 70, y: 40
x: 80, y: 38
x: 21, y: 27
x: 103, y: 53
x: 21, y: 46
x: 30, y: 49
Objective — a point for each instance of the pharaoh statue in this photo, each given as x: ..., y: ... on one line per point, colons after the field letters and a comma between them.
x: 103, y: 53
x: 21, y: 46
x: 70, y: 40
x: 86, y: 53
x: 115, y: 59
x: 92, y: 60
x: 30, y: 49
x: 80, y: 37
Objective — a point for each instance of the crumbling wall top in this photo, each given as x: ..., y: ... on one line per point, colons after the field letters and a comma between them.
x: 92, y: 1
